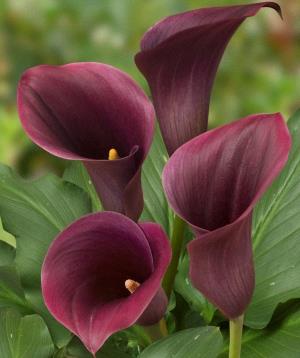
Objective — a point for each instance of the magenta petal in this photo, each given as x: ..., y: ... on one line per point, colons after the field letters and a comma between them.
x: 84, y: 274
x: 222, y: 266
x: 156, y: 309
x: 80, y: 111
x: 213, y: 183
x: 118, y: 183
x: 179, y: 58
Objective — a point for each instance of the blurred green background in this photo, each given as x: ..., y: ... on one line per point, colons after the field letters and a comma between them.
x: 260, y: 71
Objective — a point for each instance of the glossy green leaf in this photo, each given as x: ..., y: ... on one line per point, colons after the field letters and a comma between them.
x: 156, y: 207
x: 194, y: 298
x: 35, y: 212
x: 7, y: 254
x: 109, y: 350
x: 11, y: 291
x: 6, y: 236
x: 78, y: 175
x: 24, y: 337
x: 205, y: 342
x: 279, y: 340
x: 276, y: 232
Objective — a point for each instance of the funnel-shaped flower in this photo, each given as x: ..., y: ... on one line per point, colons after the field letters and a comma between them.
x: 91, y: 112
x: 179, y: 58
x: 103, y: 274
x: 213, y: 182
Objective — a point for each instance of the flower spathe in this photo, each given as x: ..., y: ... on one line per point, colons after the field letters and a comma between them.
x: 87, y: 266
x: 89, y: 111
x: 213, y: 182
x: 179, y: 58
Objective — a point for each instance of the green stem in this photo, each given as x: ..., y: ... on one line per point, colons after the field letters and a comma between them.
x: 235, y: 342
x: 176, y: 243
x: 157, y: 331
x: 163, y: 327
x: 143, y: 337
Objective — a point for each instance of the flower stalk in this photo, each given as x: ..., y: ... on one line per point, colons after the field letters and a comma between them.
x: 176, y: 244
x: 157, y: 331
x: 235, y: 340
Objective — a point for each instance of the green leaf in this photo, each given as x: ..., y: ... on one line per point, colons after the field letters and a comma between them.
x: 7, y: 254
x: 6, y: 236
x: 204, y: 342
x: 24, y: 337
x: 276, y: 231
x: 78, y: 175
x: 35, y: 212
x: 280, y: 339
x: 108, y: 350
x: 156, y: 207
x: 276, y: 343
x: 194, y: 298
x: 11, y: 291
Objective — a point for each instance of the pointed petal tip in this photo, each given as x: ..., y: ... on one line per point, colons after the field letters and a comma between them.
x: 155, y: 34
x: 276, y: 7
x: 224, y: 276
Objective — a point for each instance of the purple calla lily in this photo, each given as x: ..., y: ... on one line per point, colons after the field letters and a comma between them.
x: 91, y: 112
x: 213, y: 182
x: 179, y: 58
x: 103, y: 273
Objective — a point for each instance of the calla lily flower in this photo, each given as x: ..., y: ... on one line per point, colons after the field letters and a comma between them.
x: 213, y: 182
x: 179, y: 58
x: 94, y: 113
x: 103, y: 273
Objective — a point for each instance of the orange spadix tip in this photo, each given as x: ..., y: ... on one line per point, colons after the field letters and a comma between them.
x: 131, y: 285
x: 113, y: 154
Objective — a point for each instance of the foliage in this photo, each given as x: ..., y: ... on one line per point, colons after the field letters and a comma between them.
x: 35, y: 211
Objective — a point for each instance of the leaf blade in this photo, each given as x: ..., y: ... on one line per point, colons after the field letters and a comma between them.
x: 276, y: 227
x: 26, y: 337
x: 35, y: 212
x: 204, y: 342
x: 155, y: 203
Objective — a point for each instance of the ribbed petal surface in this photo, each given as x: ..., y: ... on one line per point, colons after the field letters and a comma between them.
x: 80, y: 111
x: 213, y: 182
x: 84, y: 274
x: 179, y: 58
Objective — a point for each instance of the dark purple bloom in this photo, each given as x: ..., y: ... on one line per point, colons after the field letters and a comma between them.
x: 88, y: 266
x: 90, y: 112
x: 179, y: 58
x: 213, y: 182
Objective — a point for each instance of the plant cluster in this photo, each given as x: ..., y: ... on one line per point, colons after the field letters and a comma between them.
x: 87, y: 263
